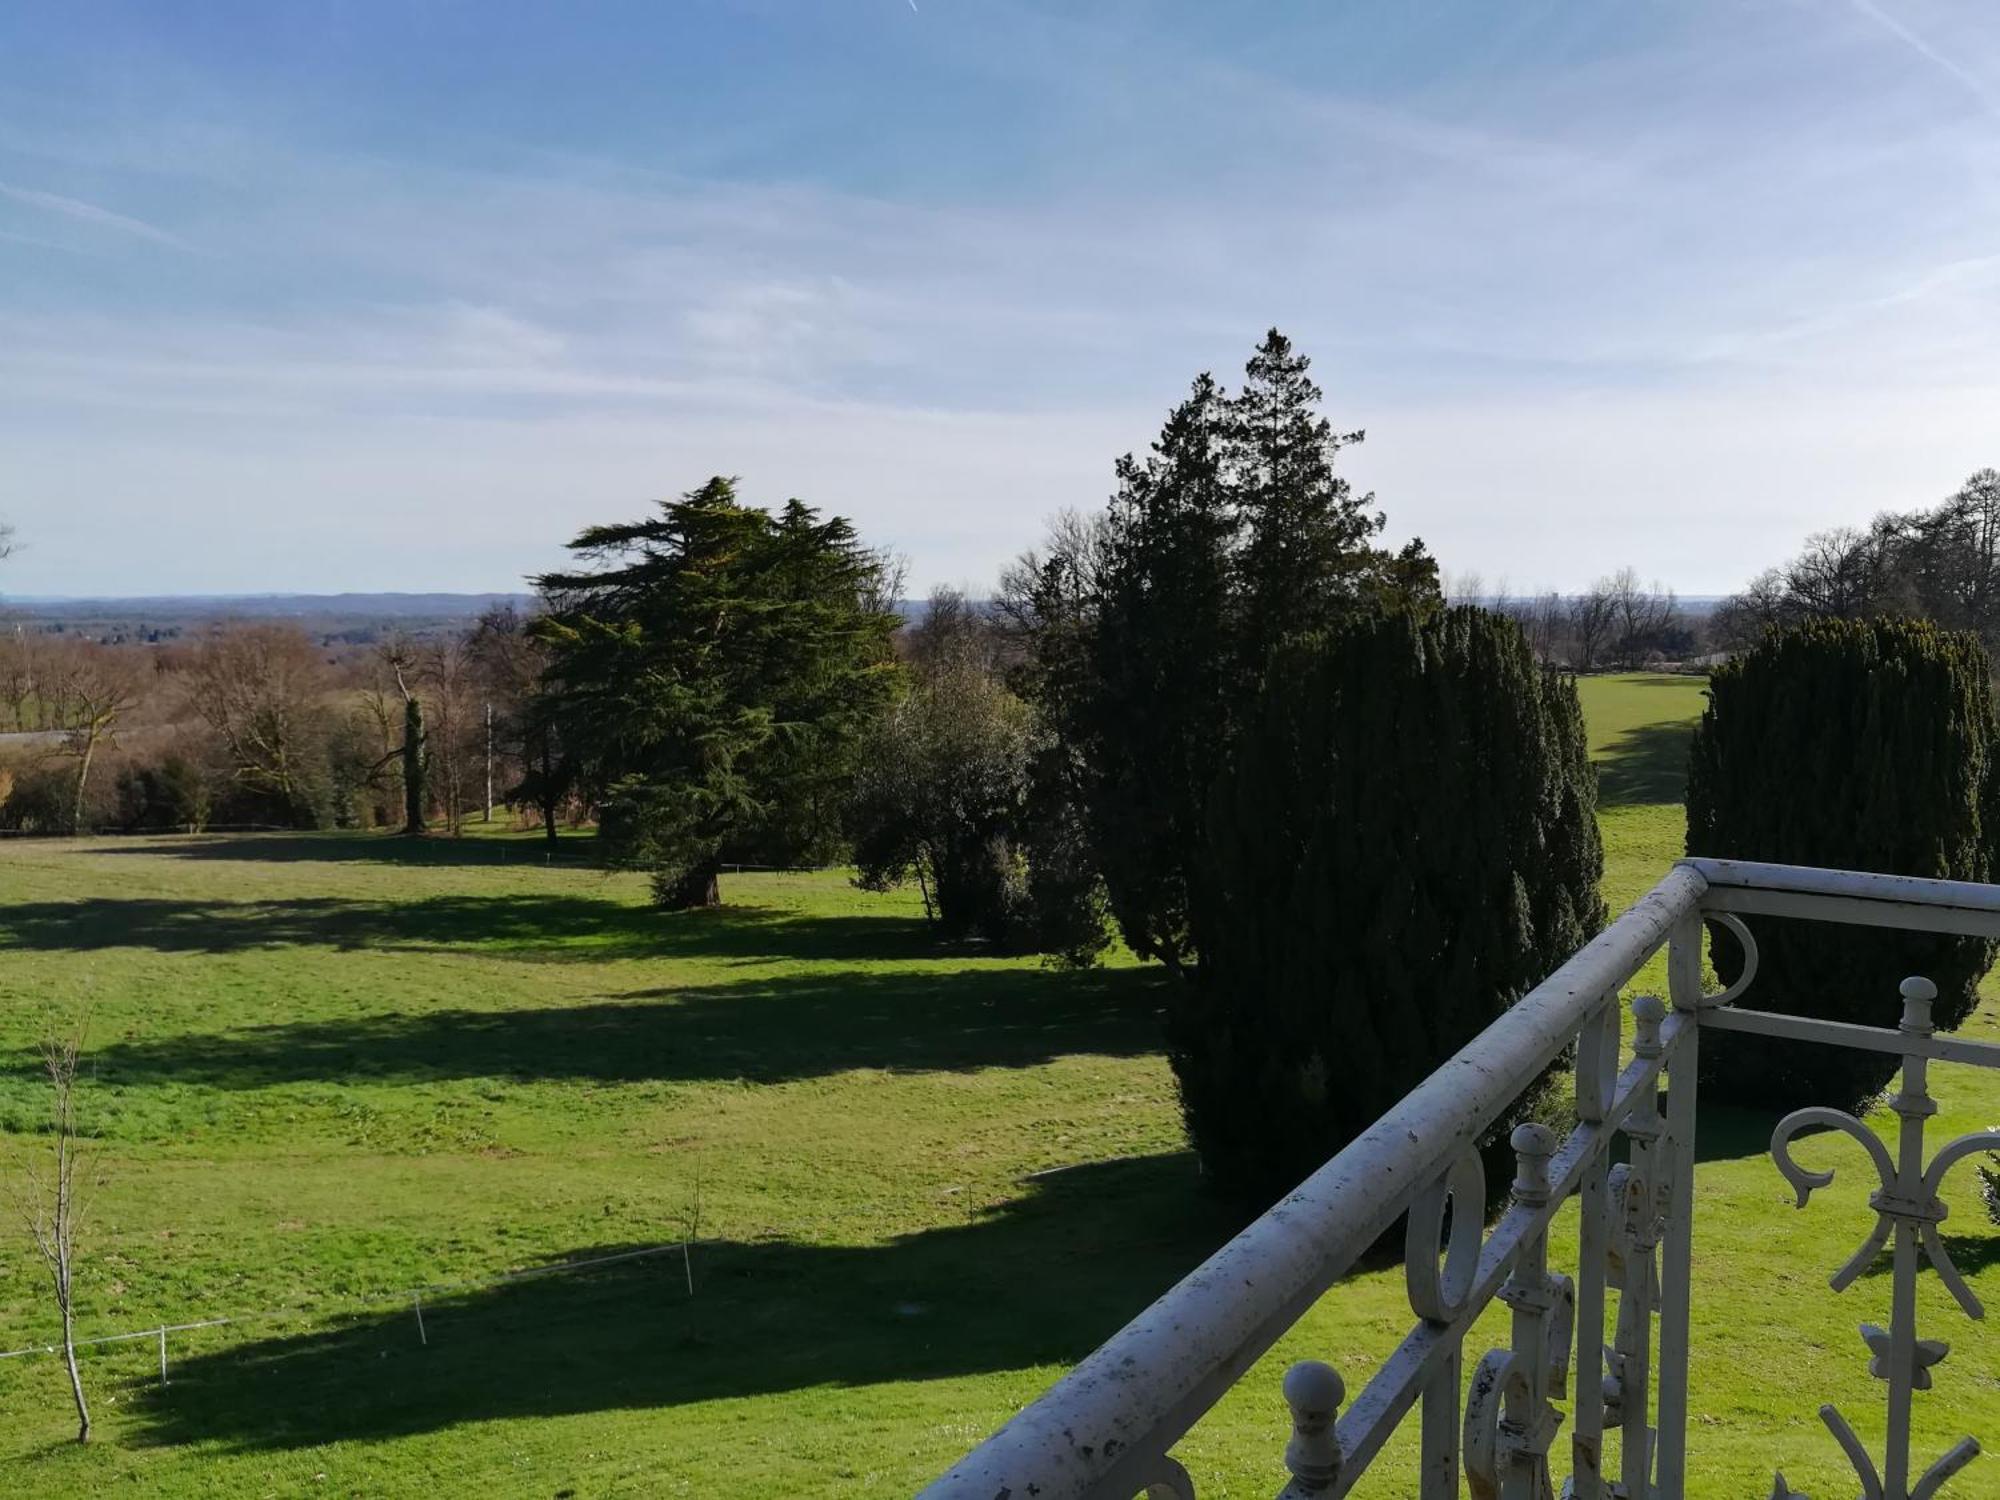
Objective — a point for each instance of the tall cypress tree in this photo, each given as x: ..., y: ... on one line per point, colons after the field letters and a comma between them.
x: 1309, y: 545
x: 1232, y: 536
x: 1164, y: 704
x: 1857, y: 745
x: 1404, y: 842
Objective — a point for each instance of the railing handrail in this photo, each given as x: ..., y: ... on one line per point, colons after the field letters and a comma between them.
x: 1107, y: 1429
x: 1114, y: 1415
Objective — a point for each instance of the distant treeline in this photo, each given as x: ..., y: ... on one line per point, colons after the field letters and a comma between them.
x: 333, y: 620
x: 262, y: 723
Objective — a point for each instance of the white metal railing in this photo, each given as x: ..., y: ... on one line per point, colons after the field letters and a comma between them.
x: 1106, y: 1431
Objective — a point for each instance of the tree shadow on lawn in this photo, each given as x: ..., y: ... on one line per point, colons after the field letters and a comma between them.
x: 1041, y: 1279
x: 1734, y: 1132
x: 526, y: 926
x: 1971, y: 1253
x: 799, y: 1026
x: 1647, y: 765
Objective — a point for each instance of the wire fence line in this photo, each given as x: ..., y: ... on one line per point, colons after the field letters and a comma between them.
x: 412, y: 1296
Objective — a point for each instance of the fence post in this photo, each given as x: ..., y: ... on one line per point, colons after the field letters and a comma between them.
x: 417, y: 1301
x: 163, y: 1354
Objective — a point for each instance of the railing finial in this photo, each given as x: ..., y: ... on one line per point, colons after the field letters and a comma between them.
x: 1533, y: 1145
x: 1314, y: 1391
x: 1649, y: 1012
x: 1918, y: 993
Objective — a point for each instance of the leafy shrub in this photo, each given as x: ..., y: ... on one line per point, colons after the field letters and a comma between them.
x: 42, y: 799
x: 171, y: 794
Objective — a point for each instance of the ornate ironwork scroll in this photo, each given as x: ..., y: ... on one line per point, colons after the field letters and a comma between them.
x: 1907, y: 1214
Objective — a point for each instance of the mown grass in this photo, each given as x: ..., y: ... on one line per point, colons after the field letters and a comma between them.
x: 328, y: 1069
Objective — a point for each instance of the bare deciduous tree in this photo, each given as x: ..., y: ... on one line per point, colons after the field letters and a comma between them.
x: 445, y: 668
x: 88, y: 687
x: 1468, y: 587
x: 1590, y: 617
x: 412, y: 750
x: 507, y: 662
x: 1641, y: 616
x: 1542, y: 619
x: 20, y: 677
x: 53, y: 1205
x: 260, y: 687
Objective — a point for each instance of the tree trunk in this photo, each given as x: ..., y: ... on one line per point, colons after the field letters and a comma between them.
x: 413, y: 765
x: 75, y: 1376
x: 550, y: 801
x: 699, y: 887
x: 82, y: 780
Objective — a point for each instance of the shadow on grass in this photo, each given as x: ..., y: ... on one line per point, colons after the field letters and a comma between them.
x: 1971, y: 1253
x: 1646, y: 765
x: 1039, y: 1280
x: 1732, y: 1132
x: 798, y: 1026
x: 529, y: 926
x: 570, y: 851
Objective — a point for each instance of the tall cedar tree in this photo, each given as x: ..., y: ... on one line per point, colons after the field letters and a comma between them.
x: 1857, y: 745
x: 1404, y: 843
x: 1232, y: 536
x: 713, y: 675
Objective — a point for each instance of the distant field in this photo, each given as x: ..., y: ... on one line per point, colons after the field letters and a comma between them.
x: 327, y: 1069
x: 1639, y: 726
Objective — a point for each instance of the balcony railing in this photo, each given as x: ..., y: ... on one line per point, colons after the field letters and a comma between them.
x: 1107, y: 1430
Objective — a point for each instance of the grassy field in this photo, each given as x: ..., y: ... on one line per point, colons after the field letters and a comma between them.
x: 326, y: 1070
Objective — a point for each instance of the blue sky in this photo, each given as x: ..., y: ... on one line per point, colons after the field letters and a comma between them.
x: 377, y: 296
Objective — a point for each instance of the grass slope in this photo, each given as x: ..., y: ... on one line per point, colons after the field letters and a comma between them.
x: 327, y: 1069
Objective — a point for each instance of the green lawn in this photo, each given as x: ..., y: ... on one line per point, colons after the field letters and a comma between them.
x: 326, y: 1069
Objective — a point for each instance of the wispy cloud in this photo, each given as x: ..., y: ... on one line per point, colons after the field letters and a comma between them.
x: 1910, y: 38
x: 91, y: 213
x: 1580, y: 287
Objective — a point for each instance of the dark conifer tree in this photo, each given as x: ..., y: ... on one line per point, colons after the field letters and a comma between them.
x: 1164, y: 703
x: 1234, y: 535
x: 1856, y: 745
x: 712, y: 679
x: 1308, y: 548
x: 1404, y: 842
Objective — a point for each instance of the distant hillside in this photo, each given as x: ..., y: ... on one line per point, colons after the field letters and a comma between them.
x: 354, y: 619
x: 262, y: 606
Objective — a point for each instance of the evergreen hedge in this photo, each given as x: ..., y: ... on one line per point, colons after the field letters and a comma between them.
x: 1856, y: 745
x: 1404, y: 843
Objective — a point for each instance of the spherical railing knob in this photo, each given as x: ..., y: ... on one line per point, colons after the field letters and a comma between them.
x: 1533, y: 1146
x: 1314, y: 1391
